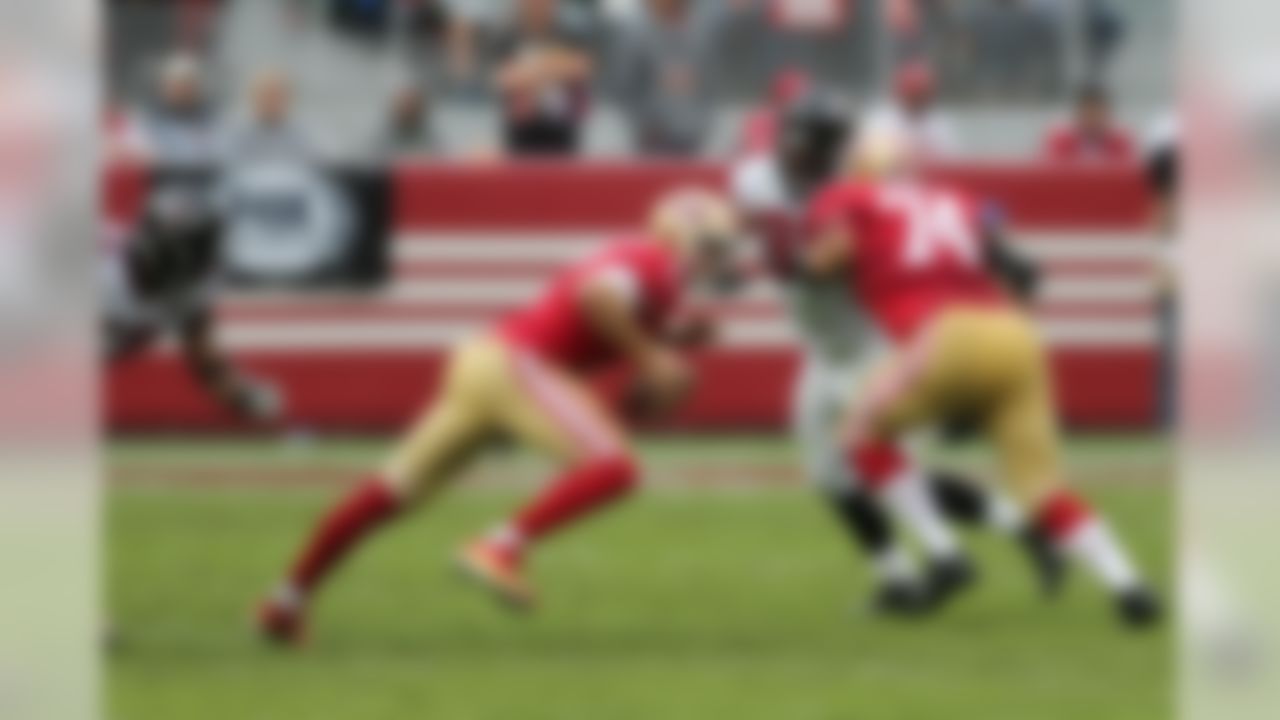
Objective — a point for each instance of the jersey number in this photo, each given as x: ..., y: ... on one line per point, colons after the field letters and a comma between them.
x: 936, y: 225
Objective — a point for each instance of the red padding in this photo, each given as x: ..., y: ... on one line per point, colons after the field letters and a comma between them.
x: 877, y: 463
x: 1062, y: 514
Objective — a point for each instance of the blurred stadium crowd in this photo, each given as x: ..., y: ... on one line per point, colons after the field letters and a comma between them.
x: 1066, y: 80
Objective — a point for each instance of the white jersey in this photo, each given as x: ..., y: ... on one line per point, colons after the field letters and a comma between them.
x: 838, y: 338
x: 832, y: 329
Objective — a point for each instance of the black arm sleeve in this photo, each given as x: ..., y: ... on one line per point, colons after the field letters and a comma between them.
x: 1019, y: 274
x: 1162, y: 171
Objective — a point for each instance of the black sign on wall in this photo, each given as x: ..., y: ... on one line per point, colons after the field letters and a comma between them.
x: 291, y: 224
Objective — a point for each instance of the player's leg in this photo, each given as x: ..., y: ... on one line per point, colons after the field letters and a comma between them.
x: 1026, y: 437
x: 816, y: 406
x: 1024, y: 428
x: 552, y: 411
x: 900, y: 396
x: 967, y: 501
x: 451, y: 430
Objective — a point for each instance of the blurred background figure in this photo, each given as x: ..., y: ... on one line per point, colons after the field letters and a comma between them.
x: 664, y: 76
x: 1015, y: 49
x: 377, y: 20
x: 1162, y: 160
x: 1091, y: 134
x: 760, y: 127
x: 465, y: 23
x: 180, y: 126
x: 162, y: 281
x: 1105, y: 31
x: 544, y: 78
x: 270, y: 130
x: 407, y: 129
x: 911, y: 114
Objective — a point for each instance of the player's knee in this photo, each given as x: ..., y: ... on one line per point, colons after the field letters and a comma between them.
x: 876, y: 462
x: 1061, y: 513
x: 398, y: 481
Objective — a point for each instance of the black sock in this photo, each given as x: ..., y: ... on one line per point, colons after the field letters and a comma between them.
x: 864, y: 521
x: 960, y: 499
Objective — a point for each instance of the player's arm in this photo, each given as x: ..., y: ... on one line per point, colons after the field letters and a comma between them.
x: 218, y: 373
x: 829, y: 240
x: 690, y: 329
x: 1017, y: 273
x: 608, y: 299
x: 830, y: 251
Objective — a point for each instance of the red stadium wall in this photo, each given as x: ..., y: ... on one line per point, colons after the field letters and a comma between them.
x: 370, y: 364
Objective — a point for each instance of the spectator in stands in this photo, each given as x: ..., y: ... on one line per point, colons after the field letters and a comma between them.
x: 367, y: 19
x: 1015, y: 49
x: 760, y: 128
x: 1104, y: 33
x: 664, y: 65
x: 180, y: 128
x: 912, y: 115
x: 1092, y: 135
x: 544, y: 77
x: 270, y: 131
x: 408, y: 127
x: 465, y: 22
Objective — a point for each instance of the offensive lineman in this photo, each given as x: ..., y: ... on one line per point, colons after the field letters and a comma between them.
x: 771, y: 190
x: 528, y: 379
x: 936, y: 280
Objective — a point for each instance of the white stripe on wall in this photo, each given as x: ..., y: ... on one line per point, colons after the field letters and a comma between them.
x: 548, y: 247
x: 382, y: 335
x: 447, y: 292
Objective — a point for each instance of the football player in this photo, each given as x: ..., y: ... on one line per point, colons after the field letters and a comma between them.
x: 528, y: 379
x: 160, y: 280
x: 771, y: 190
x: 922, y: 261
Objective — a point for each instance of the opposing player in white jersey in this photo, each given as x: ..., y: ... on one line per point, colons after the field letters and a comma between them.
x: 160, y: 280
x: 838, y: 344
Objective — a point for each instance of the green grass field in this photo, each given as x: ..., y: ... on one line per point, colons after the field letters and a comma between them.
x: 721, y: 591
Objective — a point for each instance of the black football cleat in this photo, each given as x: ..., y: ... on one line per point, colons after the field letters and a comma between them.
x: 1048, y: 564
x: 948, y: 578
x: 1139, y: 608
x: 901, y: 600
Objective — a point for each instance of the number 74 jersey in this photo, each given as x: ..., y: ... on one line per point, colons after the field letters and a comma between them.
x: 918, y: 249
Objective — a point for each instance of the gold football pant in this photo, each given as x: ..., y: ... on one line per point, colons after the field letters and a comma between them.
x: 977, y: 363
x: 492, y: 390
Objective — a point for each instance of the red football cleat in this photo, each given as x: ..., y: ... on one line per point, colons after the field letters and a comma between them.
x: 281, y: 625
x: 497, y: 569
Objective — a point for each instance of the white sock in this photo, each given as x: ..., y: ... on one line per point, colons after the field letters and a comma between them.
x: 1004, y: 515
x: 909, y: 499
x: 507, y: 537
x: 1094, y: 545
x: 895, y: 565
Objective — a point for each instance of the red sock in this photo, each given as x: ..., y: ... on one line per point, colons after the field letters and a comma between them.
x: 1062, y: 515
x: 575, y: 494
x: 367, y: 507
x: 876, y: 463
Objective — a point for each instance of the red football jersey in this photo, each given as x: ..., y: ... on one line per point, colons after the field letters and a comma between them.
x: 554, y: 325
x: 918, y: 250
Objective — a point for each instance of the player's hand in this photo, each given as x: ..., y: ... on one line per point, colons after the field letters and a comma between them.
x: 692, y: 330
x: 664, y: 379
